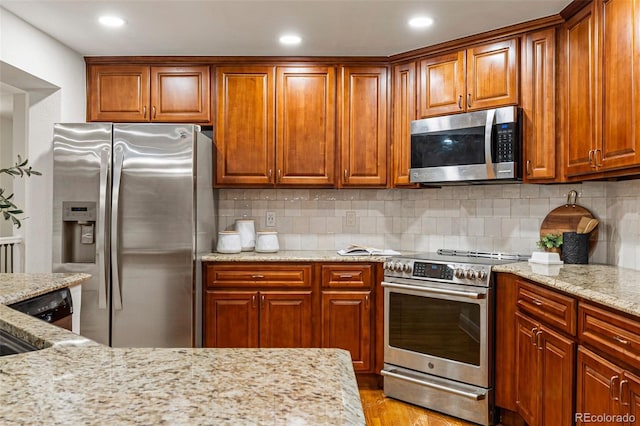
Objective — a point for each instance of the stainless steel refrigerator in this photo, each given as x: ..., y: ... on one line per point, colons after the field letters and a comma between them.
x: 133, y: 206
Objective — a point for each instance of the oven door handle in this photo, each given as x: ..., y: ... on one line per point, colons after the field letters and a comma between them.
x: 470, y: 395
x: 466, y: 294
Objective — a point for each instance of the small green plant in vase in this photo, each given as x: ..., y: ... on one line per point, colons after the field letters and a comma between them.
x: 550, y: 242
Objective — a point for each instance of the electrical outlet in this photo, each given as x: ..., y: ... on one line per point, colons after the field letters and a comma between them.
x: 271, y: 219
x: 351, y: 218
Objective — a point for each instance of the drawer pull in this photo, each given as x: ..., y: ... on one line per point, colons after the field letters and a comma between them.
x: 346, y: 276
x: 621, y: 340
x: 534, y: 336
x: 537, y: 302
x: 257, y: 276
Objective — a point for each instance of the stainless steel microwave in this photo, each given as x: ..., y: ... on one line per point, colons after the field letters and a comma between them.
x: 479, y: 146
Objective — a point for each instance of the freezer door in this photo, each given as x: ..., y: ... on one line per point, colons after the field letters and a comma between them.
x: 152, y: 241
x: 81, y: 166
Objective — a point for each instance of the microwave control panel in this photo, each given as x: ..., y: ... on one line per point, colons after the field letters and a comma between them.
x: 506, y: 140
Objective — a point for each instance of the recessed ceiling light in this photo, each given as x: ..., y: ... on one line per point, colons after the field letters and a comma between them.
x: 420, y: 22
x: 111, y: 21
x: 290, y: 39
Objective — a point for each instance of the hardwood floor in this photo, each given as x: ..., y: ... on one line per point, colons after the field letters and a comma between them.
x: 382, y: 411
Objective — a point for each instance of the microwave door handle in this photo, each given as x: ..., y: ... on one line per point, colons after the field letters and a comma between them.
x: 488, y: 130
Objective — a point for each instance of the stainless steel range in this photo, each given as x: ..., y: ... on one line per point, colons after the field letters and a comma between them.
x: 438, y: 331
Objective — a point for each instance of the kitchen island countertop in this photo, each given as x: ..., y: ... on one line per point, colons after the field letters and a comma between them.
x: 612, y: 286
x: 74, y: 380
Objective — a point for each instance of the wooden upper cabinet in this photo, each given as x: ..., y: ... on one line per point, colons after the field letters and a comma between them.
x: 245, y: 119
x: 601, y: 63
x: 180, y: 94
x: 365, y: 132
x: 620, y: 65
x: 403, y: 107
x: 140, y: 93
x: 118, y: 93
x: 442, y: 88
x: 305, y: 126
x: 480, y: 77
x: 538, y: 105
x: 492, y: 75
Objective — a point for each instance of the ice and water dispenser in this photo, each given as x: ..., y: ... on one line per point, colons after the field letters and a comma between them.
x: 78, y: 232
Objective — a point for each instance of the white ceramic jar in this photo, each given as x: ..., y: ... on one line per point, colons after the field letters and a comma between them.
x: 267, y: 242
x: 247, y: 230
x: 228, y: 242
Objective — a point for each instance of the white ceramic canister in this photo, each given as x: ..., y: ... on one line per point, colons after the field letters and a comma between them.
x: 247, y: 230
x: 228, y: 242
x: 267, y: 242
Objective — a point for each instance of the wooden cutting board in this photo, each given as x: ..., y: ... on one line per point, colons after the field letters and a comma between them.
x: 566, y: 218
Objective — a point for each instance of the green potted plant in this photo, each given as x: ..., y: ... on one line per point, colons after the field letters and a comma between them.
x: 8, y: 209
x: 550, y: 243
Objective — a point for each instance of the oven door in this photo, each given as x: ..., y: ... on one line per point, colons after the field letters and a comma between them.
x: 440, y: 329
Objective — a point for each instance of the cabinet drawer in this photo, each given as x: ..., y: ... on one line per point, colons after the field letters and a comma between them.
x: 345, y: 275
x: 609, y: 332
x: 549, y: 306
x: 258, y: 275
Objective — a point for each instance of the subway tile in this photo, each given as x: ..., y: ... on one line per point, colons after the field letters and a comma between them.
x: 492, y: 227
x: 511, y: 191
x: 443, y: 226
x: 502, y: 207
x: 367, y: 225
x: 539, y: 207
x: 429, y: 225
x: 300, y: 225
x: 476, y: 226
x: 484, y: 207
x: 334, y: 225
x: 318, y: 225
x: 384, y: 225
x: 309, y: 242
x: 520, y: 208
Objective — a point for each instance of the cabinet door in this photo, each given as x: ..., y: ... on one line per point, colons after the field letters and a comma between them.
x: 245, y: 144
x: 403, y: 101
x: 579, y: 92
x: 631, y: 400
x: 620, y: 54
x: 492, y: 75
x: 598, y: 381
x: 285, y: 319
x: 557, y: 369
x: 538, y: 104
x: 442, y: 85
x: 180, y: 94
x: 528, y: 386
x: 506, y: 341
x: 305, y: 126
x: 364, y: 126
x: 118, y: 93
x: 231, y: 319
x: 347, y: 324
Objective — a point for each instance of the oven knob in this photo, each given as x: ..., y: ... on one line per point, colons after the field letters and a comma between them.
x: 406, y: 267
x: 470, y: 274
x: 399, y: 267
x: 482, y: 275
x: 459, y: 273
x: 388, y: 266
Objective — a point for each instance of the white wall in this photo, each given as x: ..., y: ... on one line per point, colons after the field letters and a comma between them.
x: 6, y: 156
x: 36, y: 54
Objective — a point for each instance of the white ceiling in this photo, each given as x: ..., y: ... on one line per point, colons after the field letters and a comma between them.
x: 252, y: 27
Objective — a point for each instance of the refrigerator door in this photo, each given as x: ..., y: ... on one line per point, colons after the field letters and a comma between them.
x: 81, y: 190
x: 153, y: 235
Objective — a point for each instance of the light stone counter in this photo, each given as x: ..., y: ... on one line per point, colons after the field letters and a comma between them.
x: 611, y: 286
x: 290, y: 256
x: 77, y: 381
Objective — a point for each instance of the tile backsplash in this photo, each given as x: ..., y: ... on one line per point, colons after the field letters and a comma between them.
x: 502, y: 218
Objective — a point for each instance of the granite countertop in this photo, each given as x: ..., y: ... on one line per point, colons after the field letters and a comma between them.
x: 610, y: 286
x: 75, y: 380
x: 290, y: 256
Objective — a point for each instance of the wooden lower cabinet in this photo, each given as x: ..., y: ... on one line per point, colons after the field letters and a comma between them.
x: 295, y: 305
x: 347, y: 324
x: 544, y: 374
x: 252, y: 319
x: 604, y: 388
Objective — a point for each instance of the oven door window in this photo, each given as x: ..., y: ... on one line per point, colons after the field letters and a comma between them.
x: 442, y: 328
x: 459, y: 147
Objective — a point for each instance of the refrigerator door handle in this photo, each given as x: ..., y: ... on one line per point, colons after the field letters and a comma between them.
x: 118, y: 159
x: 102, y: 231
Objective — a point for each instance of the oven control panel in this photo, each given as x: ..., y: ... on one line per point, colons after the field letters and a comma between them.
x: 438, y: 271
